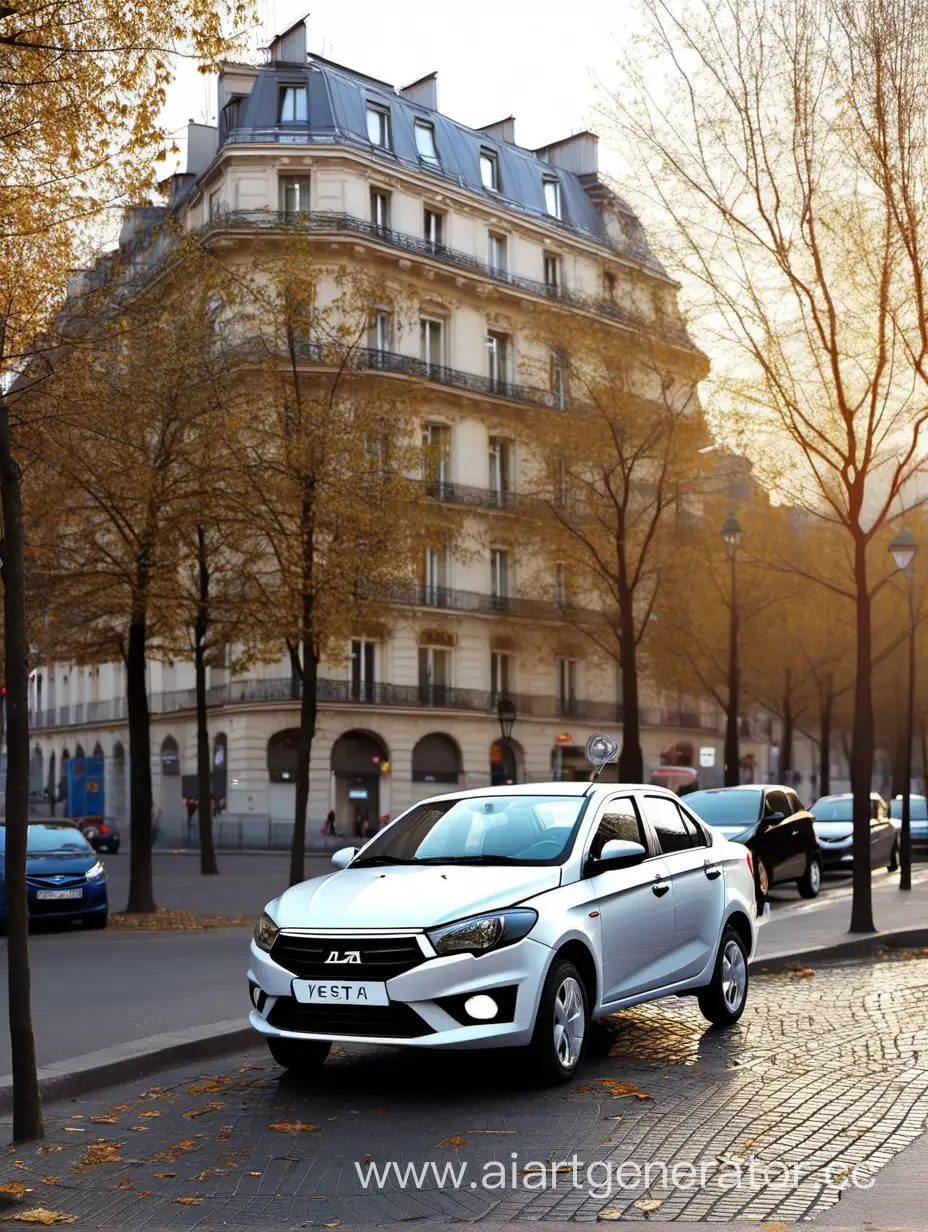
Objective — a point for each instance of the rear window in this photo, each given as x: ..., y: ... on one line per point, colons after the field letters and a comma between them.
x: 48, y: 839
x: 918, y: 809
x: 725, y: 808
x: 834, y: 810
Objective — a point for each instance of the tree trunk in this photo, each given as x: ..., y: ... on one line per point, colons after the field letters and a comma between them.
x: 27, y: 1104
x: 141, y: 888
x: 208, y: 865
x: 631, y: 761
x: 732, y: 753
x: 789, y: 727
x: 307, y: 731
x: 862, y: 746
x: 824, y: 739
x: 924, y: 734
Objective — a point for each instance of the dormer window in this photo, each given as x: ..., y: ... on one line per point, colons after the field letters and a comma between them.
x: 553, y: 198
x: 292, y: 105
x: 489, y: 170
x: 378, y: 126
x: 425, y: 143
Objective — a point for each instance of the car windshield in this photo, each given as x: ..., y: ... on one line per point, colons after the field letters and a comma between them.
x: 918, y: 809
x: 481, y: 830
x: 726, y: 808
x: 833, y: 810
x: 44, y: 840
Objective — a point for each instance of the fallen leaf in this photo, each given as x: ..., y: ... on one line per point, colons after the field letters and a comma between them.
x: 40, y: 1215
x: 198, y: 1112
x: 253, y: 1174
x: 14, y: 1192
x: 173, y: 1153
x: 609, y: 1213
x: 210, y: 1086
x: 150, y: 1112
x: 296, y: 1127
x: 333, y: 1223
x: 74, y: 1129
x: 144, y: 1193
x: 99, y: 1153
x: 649, y: 1204
x: 773, y: 1227
x: 245, y: 1068
x: 124, y: 1185
x: 137, y: 1129
x: 104, y: 1120
x: 166, y: 1174
x: 49, y: 1150
x: 451, y: 1144
x: 120, y: 1107
x: 188, y: 1201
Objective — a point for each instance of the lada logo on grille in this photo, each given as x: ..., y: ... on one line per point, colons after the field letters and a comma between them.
x: 344, y: 956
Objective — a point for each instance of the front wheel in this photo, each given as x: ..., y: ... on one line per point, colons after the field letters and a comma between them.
x: 559, y: 1039
x: 94, y: 921
x: 810, y: 882
x: 300, y: 1056
x: 723, y: 1000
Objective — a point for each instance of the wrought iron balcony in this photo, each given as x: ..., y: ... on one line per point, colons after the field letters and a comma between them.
x: 482, y: 498
x: 327, y: 221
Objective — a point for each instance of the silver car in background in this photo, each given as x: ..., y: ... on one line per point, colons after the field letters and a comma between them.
x: 918, y: 818
x: 507, y: 916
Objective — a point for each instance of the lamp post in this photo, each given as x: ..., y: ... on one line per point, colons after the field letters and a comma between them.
x: 732, y: 537
x: 903, y: 548
x: 506, y: 713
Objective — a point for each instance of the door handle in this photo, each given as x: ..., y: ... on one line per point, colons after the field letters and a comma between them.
x: 712, y: 871
x: 660, y: 888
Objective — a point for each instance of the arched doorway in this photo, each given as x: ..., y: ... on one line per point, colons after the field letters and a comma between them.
x: 97, y: 749
x: 172, y: 796
x: 505, y: 761
x: 282, y: 751
x: 357, y: 757
x: 79, y: 751
x: 436, y: 759
x: 118, y: 793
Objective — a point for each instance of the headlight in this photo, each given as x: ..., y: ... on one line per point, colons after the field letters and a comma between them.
x: 484, y: 932
x: 94, y: 873
x: 265, y: 933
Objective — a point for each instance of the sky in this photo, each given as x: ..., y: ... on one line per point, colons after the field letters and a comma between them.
x: 538, y: 61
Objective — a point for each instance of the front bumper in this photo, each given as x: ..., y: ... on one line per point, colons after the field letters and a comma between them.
x: 838, y: 854
x: 415, y: 1017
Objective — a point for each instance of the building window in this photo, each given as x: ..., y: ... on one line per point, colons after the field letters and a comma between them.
x: 497, y: 359
x: 425, y: 143
x: 170, y: 757
x: 552, y: 273
x: 566, y: 686
x: 560, y: 585
x: 496, y: 251
x: 553, y: 198
x: 434, y: 674
x: 432, y: 226
x: 499, y: 574
x: 436, y: 441
x: 362, y: 670
x: 559, y: 481
x: 431, y: 342
x: 283, y: 754
x: 380, y: 208
x: 435, y: 577
x: 500, y: 674
x: 489, y: 170
x: 609, y: 287
x: 381, y: 335
x: 559, y: 379
x: 378, y: 126
x: 292, y: 105
x: 294, y: 194
x: 215, y: 204
x: 499, y: 468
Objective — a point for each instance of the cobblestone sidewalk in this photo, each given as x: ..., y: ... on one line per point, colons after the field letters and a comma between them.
x: 827, y: 1073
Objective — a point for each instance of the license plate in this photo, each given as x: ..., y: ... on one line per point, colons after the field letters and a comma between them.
x: 340, y: 992
x: 49, y: 894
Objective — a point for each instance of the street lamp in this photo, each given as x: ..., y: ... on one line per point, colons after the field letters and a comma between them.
x: 903, y: 548
x: 506, y: 713
x: 732, y: 537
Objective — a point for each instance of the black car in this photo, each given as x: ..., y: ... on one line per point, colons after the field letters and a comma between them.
x: 774, y: 826
x: 101, y: 835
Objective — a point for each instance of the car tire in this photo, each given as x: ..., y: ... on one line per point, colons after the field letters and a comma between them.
x: 893, y: 864
x: 561, y: 1025
x: 723, y: 1000
x: 762, y: 878
x: 810, y: 883
x: 300, y: 1056
x: 94, y: 921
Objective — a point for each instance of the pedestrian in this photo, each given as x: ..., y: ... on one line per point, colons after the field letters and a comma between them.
x: 329, y: 827
x: 385, y: 820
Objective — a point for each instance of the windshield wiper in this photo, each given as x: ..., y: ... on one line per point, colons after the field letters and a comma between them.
x: 471, y: 860
x: 368, y: 861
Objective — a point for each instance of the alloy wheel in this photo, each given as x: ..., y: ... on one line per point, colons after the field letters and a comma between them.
x: 734, y: 974
x: 569, y: 1022
x: 815, y: 875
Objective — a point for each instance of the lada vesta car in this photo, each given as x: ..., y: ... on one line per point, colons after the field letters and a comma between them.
x: 504, y: 917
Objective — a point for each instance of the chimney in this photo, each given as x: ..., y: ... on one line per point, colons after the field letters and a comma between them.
x: 424, y: 92
x: 502, y: 130
x: 579, y: 153
x: 289, y: 47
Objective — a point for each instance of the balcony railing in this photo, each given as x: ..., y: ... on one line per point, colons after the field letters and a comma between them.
x: 326, y: 221
x: 424, y: 594
x: 478, y: 498
x: 378, y: 695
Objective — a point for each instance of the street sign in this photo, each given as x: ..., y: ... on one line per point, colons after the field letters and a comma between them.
x: 707, y: 756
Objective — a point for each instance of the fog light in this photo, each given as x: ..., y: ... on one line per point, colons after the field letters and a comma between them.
x: 482, y: 1007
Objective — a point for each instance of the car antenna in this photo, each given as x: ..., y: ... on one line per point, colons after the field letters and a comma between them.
x: 600, y: 749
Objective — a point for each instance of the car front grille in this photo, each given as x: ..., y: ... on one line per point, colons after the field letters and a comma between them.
x: 50, y: 882
x: 394, y: 1021
x: 319, y: 958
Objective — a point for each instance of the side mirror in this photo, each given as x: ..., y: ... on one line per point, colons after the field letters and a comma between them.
x: 773, y: 819
x: 343, y: 857
x: 619, y: 852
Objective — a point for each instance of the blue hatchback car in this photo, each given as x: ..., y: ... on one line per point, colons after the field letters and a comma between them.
x: 64, y: 879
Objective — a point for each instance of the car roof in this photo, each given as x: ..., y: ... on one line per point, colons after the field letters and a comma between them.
x: 549, y: 789
x: 715, y: 791
x: 64, y: 822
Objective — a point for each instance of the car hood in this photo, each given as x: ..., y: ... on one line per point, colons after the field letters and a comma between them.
x: 65, y: 866
x: 834, y: 829
x: 737, y: 831
x: 401, y: 896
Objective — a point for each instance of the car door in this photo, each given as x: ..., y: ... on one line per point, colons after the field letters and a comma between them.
x: 802, y: 824
x: 635, y: 904
x: 882, y: 834
x: 697, y: 881
x: 781, y: 845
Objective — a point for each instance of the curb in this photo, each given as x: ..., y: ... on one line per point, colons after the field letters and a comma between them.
x: 855, y: 947
x: 134, y: 1060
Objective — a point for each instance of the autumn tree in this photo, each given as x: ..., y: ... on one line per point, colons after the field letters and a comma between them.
x: 621, y: 464
x: 329, y: 448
